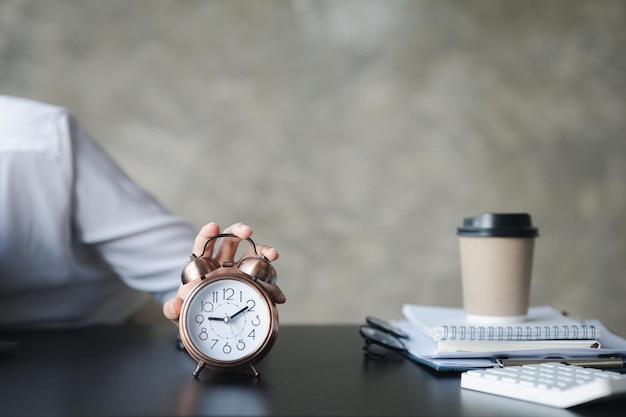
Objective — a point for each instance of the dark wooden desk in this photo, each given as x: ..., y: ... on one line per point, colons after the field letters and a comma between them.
x: 312, y: 371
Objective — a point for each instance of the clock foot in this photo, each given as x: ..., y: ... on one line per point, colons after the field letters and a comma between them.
x: 255, y: 370
x: 199, y: 369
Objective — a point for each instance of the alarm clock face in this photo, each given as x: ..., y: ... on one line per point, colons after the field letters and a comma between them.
x: 228, y: 321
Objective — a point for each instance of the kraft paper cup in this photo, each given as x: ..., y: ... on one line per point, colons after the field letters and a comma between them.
x: 496, y: 266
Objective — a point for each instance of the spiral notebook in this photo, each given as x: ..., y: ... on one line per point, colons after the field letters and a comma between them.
x: 422, y: 349
x: 542, y: 323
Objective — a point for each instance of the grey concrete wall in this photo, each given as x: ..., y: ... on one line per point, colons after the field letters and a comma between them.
x: 355, y: 135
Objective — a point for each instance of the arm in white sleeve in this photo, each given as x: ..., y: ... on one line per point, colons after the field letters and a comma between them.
x: 144, y: 244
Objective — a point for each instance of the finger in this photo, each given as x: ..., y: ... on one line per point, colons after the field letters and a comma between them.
x: 172, y: 307
x: 277, y: 294
x: 262, y: 250
x: 240, y: 229
x: 270, y: 253
x: 207, y: 231
x: 227, y: 248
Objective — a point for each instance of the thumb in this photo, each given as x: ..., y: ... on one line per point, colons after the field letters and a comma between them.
x: 172, y: 307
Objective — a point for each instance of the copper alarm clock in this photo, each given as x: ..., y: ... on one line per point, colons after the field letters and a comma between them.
x: 229, y: 321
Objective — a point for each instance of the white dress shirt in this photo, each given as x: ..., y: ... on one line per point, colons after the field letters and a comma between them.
x: 80, y: 242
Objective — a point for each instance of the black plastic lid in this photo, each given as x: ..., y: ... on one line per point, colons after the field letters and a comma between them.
x: 498, y: 225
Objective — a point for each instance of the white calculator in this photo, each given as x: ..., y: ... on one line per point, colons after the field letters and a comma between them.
x: 554, y: 384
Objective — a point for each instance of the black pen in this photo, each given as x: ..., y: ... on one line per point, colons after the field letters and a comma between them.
x: 610, y: 362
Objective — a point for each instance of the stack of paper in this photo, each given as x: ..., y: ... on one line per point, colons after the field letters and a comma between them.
x: 442, y: 338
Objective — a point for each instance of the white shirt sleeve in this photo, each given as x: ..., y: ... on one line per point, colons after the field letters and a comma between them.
x: 145, y: 244
x: 80, y: 242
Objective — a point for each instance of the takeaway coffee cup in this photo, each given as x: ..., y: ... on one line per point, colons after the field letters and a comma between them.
x: 496, y: 266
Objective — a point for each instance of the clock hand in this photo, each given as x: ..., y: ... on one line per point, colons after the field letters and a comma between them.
x: 239, y: 312
x: 227, y: 318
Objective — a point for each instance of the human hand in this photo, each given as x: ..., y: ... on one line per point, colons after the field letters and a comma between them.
x: 224, y: 252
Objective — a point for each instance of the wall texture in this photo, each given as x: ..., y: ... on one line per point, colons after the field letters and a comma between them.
x: 355, y: 135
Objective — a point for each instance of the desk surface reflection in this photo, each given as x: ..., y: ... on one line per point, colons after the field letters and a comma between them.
x: 312, y: 370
